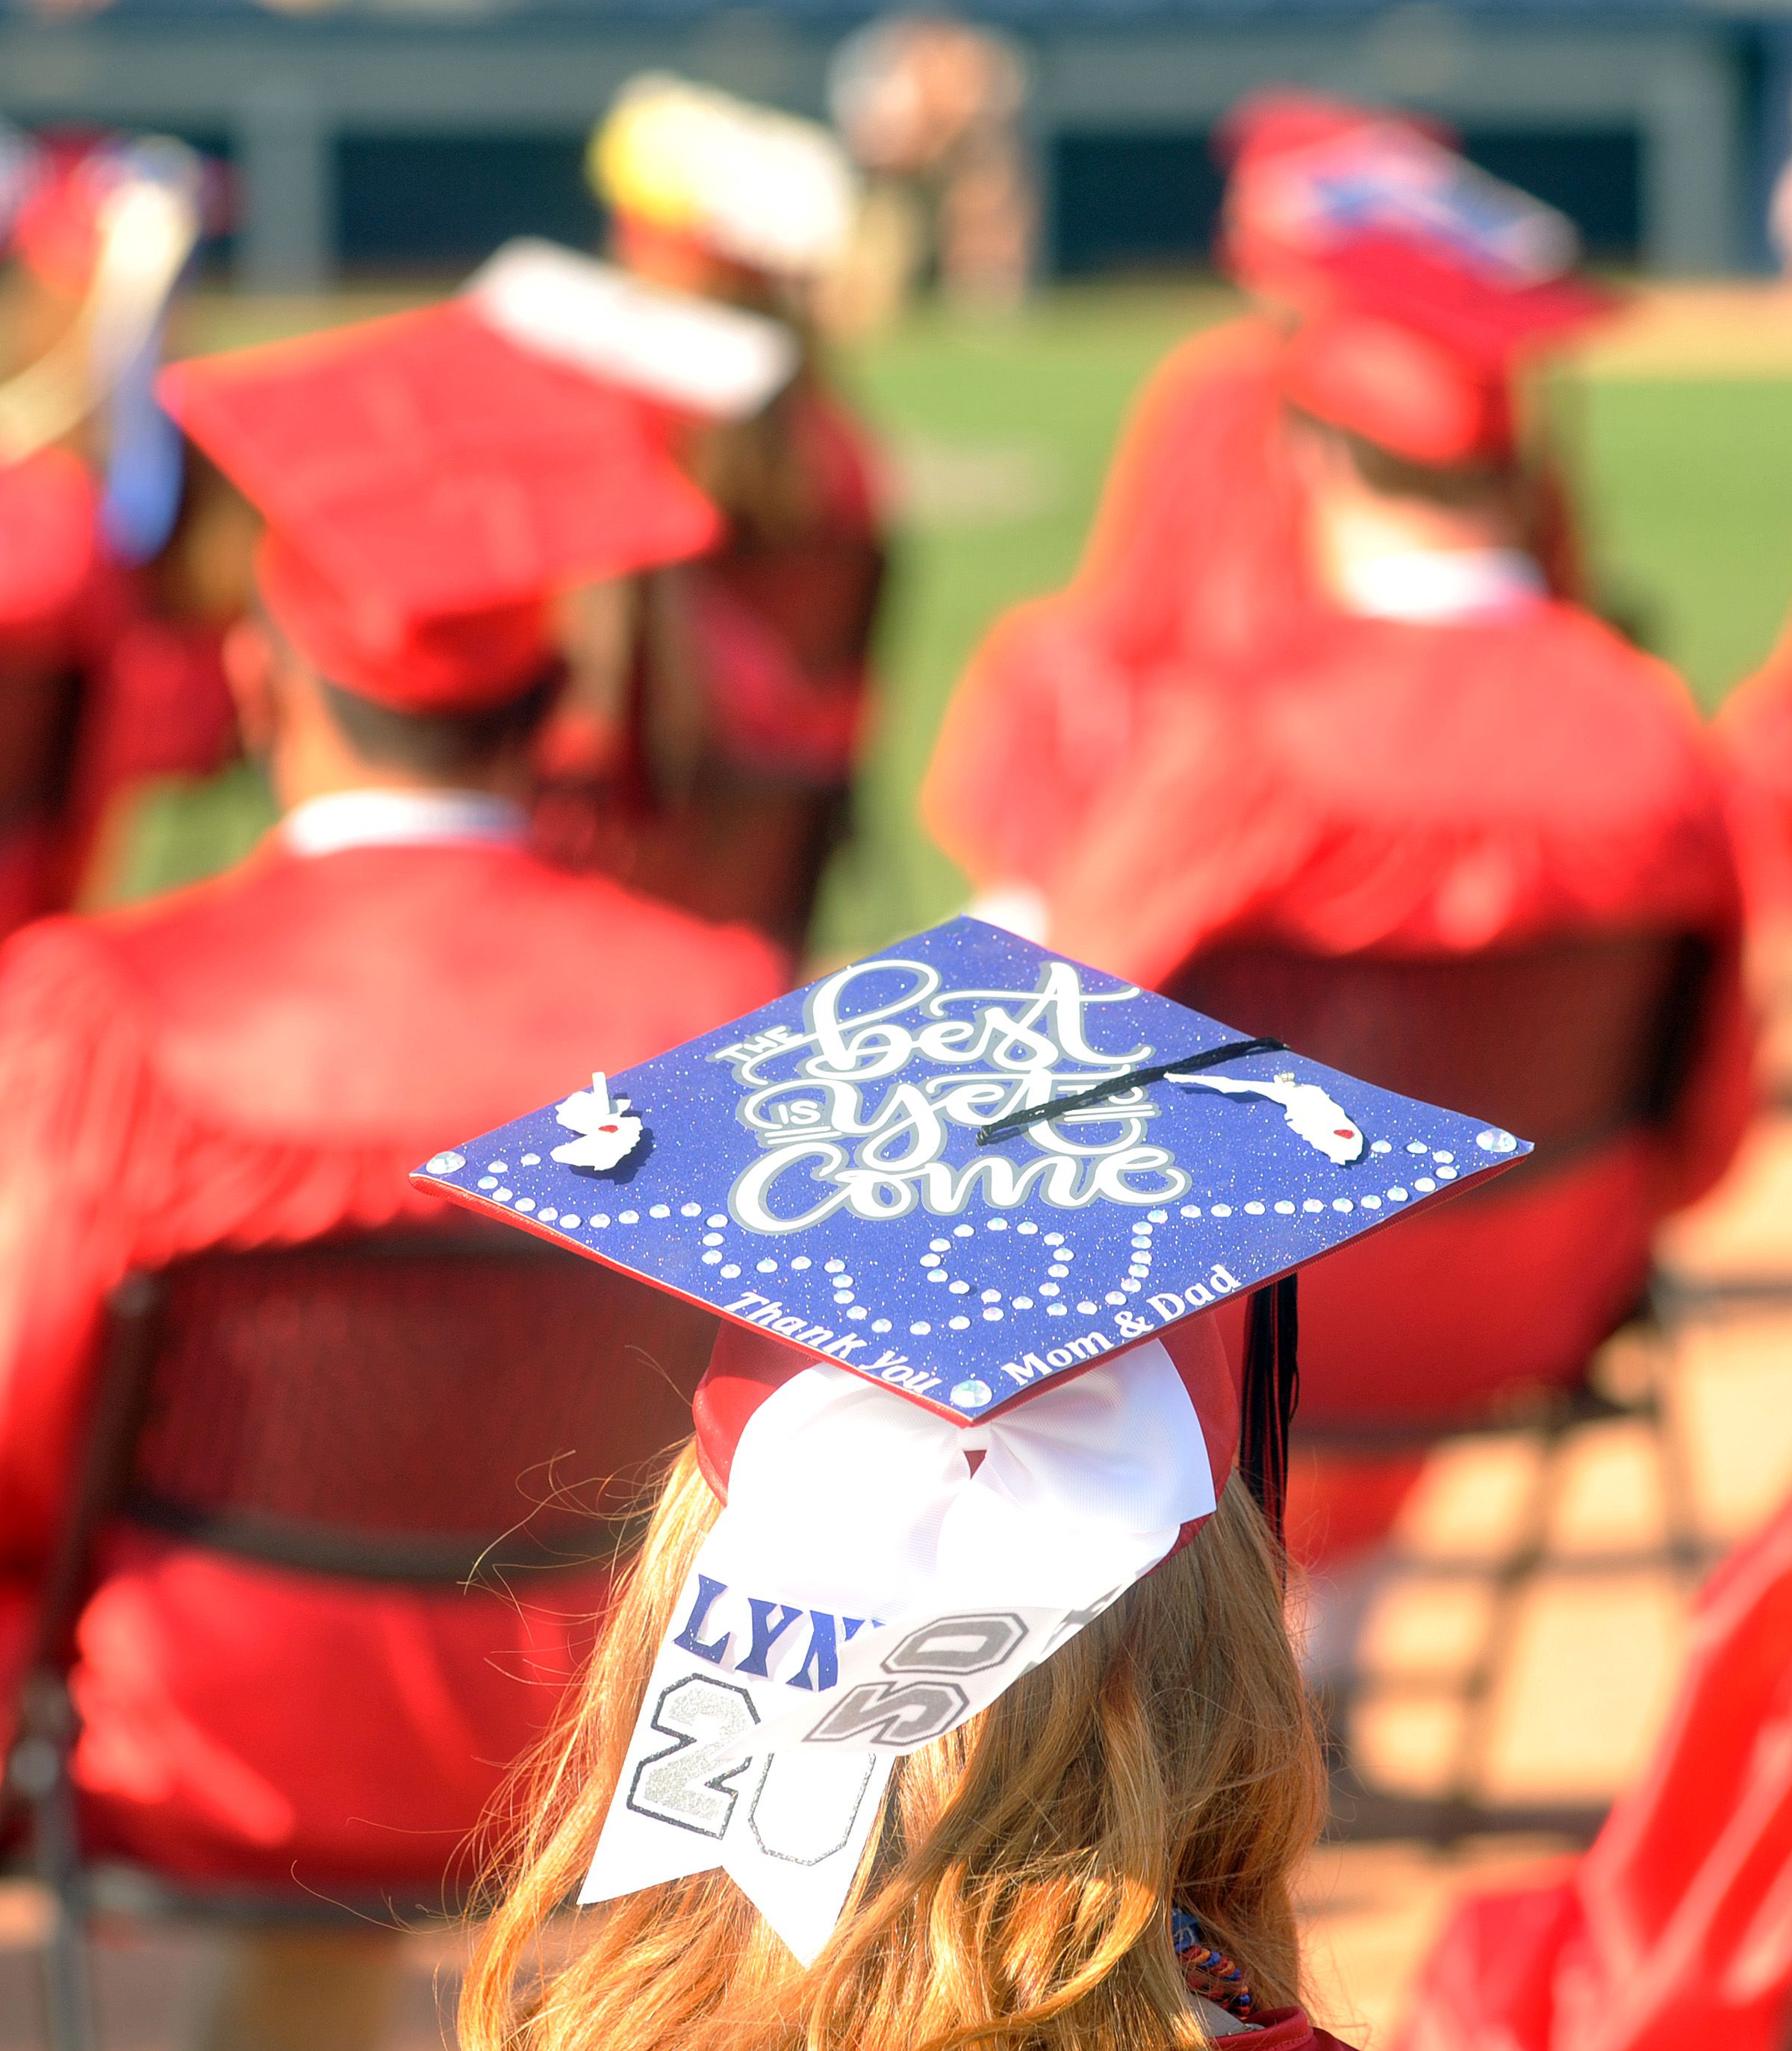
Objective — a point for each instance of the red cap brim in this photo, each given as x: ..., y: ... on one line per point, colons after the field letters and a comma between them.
x: 448, y: 664
x: 430, y: 466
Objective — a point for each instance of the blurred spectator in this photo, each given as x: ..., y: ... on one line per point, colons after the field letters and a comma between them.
x: 931, y: 109
x: 261, y: 1060
x: 738, y: 684
x: 1779, y: 218
x: 1675, y: 1929
x: 1448, y: 766
x: 1198, y: 559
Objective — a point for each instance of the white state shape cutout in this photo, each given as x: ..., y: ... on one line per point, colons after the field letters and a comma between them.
x: 607, y: 1136
x: 1320, y: 1119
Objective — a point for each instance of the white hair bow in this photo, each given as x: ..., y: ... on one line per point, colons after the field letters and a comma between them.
x: 868, y: 1587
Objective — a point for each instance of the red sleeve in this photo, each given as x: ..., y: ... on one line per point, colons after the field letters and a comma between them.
x: 1754, y: 729
x: 1675, y: 1929
x: 1193, y: 555
x: 83, y: 1142
x: 1199, y: 550
x: 107, y: 1167
x: 1044, y: 717
x: 1157, y: 467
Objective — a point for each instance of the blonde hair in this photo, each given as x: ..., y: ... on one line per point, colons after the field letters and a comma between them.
x: 1017, y: 1891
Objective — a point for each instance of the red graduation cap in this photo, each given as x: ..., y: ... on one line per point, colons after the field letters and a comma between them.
x: 1419, y: 357
x: 1402, y: 390
x: 56, y: 231
x: 1282, y: 120
x: 1335, y: 209
x: 429, y: 486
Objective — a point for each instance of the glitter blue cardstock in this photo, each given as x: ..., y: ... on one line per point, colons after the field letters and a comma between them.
x: 814, y: 1168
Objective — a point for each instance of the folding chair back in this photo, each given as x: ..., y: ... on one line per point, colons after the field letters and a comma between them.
x: 404, y: 1406
x: 1572, y: 1045
x: 1569, y: 1043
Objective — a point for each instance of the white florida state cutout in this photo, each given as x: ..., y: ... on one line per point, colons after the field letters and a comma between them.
x: 1321, y: 1120
x: 606, y: 1134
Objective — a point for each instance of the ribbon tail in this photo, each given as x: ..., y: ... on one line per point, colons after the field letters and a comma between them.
x: 797, y: 1852
x: 629, y: 1858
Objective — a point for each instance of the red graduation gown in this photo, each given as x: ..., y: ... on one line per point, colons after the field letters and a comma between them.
x: 1426, y: 790
x: 1676, y: 1928
x: 1196, y: 556
x: 1286, y: 2029
x: 54, y: 592
x: 1197, y: 562
x: 98, y: 693
x: 1754, y: 728
x: 261, y: 1060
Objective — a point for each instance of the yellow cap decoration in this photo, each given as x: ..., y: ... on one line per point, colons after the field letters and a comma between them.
x: 757, y: 186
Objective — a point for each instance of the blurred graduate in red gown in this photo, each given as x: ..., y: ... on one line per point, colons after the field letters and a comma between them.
x: 1754, y: 727
x: 1447, y: 765
x: 261, y: 1058
x: 1198, y: 556
x: 1676, y: 1928
x: 110, y: 639
x: 724, y: 704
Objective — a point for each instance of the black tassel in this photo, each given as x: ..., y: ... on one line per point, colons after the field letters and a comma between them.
x: 1272, y: 1389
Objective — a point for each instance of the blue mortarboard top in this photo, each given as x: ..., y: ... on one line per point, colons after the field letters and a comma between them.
x: 814, y: 1170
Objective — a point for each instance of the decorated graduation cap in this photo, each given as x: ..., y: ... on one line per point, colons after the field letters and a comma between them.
x: 964, y: 1210
x: 1364, y: 218
x: 1428, y: 285
x: 429, y: 486
x: 1274, y: 146
x: 1402, y: 389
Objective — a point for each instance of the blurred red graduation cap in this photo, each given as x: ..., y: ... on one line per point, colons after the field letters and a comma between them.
x: 1421, y: 356
x: 1424, y: 283
x: 1282, y: 120
x: 1267, y: 145
x: 428, y: 486
x: 56, y: 228
x: 1333, y: 207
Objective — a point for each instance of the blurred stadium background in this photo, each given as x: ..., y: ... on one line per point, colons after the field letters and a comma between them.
x: 374, y: 133
x: 999, y: 428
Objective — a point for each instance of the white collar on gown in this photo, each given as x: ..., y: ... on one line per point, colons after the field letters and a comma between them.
x: 1436, y: 586
x: 400, y: 819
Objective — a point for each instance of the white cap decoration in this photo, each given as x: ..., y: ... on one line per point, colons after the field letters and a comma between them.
x: 709, y: 359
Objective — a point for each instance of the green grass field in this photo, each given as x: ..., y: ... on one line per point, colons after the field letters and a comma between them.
x: 1000, y: 432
